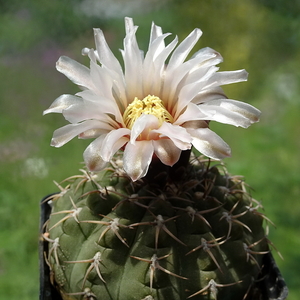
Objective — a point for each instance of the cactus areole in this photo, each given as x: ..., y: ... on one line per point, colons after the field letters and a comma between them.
x: 146, y: 219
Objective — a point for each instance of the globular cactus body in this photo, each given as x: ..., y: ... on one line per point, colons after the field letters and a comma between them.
x: 200, y: 237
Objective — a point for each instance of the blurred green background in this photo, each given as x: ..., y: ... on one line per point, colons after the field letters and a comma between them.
x: 262, y: 36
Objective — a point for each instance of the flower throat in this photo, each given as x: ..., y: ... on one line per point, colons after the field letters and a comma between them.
x: 150, y: 105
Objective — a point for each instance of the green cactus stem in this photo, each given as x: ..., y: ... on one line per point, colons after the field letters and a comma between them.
x: 188, y: 232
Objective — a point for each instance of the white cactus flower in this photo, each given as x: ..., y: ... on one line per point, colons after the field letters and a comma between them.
x: 149, y: 109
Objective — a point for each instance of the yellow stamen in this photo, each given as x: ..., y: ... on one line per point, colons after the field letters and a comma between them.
x: 150, y: 105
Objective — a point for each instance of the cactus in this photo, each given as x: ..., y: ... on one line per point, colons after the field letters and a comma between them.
x: 190, y: 231
x: 145, y: 220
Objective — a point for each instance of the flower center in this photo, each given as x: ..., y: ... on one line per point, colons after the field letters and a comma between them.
x: 150, y: 105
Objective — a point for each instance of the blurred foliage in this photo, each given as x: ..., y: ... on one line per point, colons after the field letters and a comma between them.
x: 261, y: 36
x: 27, y: 23
x: 288, y: 8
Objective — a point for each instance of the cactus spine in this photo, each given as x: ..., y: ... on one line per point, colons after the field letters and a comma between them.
x: 161, y: 237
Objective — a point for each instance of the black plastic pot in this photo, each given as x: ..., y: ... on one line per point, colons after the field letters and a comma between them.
x: 270, y: 285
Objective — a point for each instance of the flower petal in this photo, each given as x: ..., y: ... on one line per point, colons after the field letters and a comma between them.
x: 99, y: 105
x: 209, y: 56
x: 145, y: 121
x: 61, y: 103
x: 177, y: 134
x: 137, y: 158
x: 191, y: 113
x: 207, y: 95
x: 132, y: 62
x: 101, y: 79
x: 190, y: 91
x: 157, y: 75
x: 184, y: 48
x: 228, y: 77
x: 106, y: 56
x: 113, y: 141
x: 192, y: 71
x: 209, y: 143
x: 111, y: 64
x: 178, y: 57
x: 92, y: 157
x: 88, y: 111
x: 66, y: 133
x: 156, y: 47
x: 150, y: 69
x: 103, y: 92
x: 75, y: 71
x: 155, y: 32
x: 166, y: 151
x: 231, y: 112
x: 91, y: 134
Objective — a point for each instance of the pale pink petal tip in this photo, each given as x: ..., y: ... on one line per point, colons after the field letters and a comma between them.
x: 137, y: 159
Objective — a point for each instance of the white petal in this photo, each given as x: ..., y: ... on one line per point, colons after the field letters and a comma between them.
x: 92, y: 111
x: 231, y: 112
x: 209, y: 54
x: 209, y: 143
x: 156, y: 47
x: 155, y: 32
x: 149, y: 68
x: 180, y: 137
x: 202, y: 74
x: 224, y: 116
x: 137, y: 158
x: 64, y: 134
x: 145, y: 121
x: 207, y: 95
x: 92, y: 157
x: 100, y: 105
x: 82, y: 111
x: 190, y: 91
x: 188, y: 72
x: 92, y: 54
x: 106, y: 56
x: 87, y: 111
x: 191, y: 113
x: 166, y: 151
x: 228, y: 77
x: 157, y: 75
x: 112, y: 65
x: 184, y: 48
x: 91, y: 134
x: 178, y: 57
x: 132, y: 62
x: 61, y: 103
x: 102, y: 81
x: 129, y: 25
x: 114, y: 140
x: 75, y: 71
x: 195, y: 124
x: 154, y: 62
x: 199, y: 72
